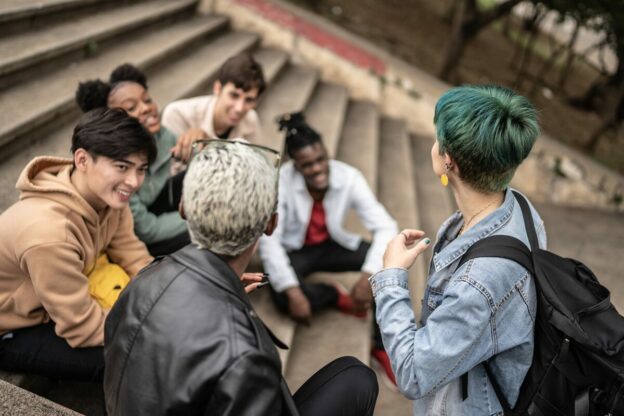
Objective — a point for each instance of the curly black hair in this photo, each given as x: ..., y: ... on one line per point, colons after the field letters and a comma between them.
x: 94, y: 93
x: 298, y: 133
x: 128, y: 72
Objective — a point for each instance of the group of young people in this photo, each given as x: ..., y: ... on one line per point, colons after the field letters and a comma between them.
x: 126, y: 264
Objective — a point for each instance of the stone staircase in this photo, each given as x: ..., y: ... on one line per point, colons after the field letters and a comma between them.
x: 48, y: 46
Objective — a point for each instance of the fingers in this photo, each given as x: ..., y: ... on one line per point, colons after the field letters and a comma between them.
x: 410, y: 235
x: 419, y: 248
x: 251, y: 287
x: 252, y: 277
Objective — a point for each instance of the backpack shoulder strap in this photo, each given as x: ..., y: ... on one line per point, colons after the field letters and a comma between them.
x: 528, y: 221
x: 502, y: 246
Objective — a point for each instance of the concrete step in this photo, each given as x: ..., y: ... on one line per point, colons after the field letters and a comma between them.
x: 331, y: 334
x: 435, y: 203
x: 45, y: 98
x: 291, y: 92
x: 397, y: 191
x: 359, y: 146
x: 56, y: 141
x: 326, y: 111
x: 194, y: 73
x: 83, y: 35
x: 21, y: 15
x: 17, y: 401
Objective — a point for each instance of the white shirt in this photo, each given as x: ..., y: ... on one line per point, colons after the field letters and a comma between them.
x: 347, y: 189
x: 198, y: 112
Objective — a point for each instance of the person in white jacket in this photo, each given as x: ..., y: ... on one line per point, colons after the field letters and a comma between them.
x: 315, y: 194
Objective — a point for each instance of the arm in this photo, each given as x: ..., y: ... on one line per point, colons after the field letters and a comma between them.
x: 56, y: 272
x: 250, y: 386
x: 153, y: 228
x: 274, y: 257
x: 281, y: 273
x: 125, y: 249
x: 175, y: 119
x: 376, y: 220
x: 423, y: 359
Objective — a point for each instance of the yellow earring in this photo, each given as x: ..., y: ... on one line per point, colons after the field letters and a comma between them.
x: 444, y: 179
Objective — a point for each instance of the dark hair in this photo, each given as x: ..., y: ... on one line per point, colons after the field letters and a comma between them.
x: 298, y: 133
x: 94, y: 93
x: 112, y: 133
x: 242, y: 71
x: 128, y: 72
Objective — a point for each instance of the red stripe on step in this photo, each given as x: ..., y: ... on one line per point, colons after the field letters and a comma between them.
x: 339, y: 46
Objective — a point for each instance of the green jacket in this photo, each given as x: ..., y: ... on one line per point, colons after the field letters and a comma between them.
x: 148, y: 227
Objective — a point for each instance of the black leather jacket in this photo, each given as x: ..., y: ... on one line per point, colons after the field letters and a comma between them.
x: 183, y: 339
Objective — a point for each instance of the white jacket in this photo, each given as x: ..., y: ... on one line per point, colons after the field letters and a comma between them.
x: 347, y: 189
x: 198, y: 112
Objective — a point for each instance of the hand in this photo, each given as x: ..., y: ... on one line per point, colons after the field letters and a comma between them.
x: 402, y: 250
x: 299, y: 305
x: 362, y: 294
x: 251, y: 281
x: 184, y: 146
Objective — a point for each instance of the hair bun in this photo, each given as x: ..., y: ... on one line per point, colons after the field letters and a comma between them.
x: 291, y: 121
x: 92, y: 94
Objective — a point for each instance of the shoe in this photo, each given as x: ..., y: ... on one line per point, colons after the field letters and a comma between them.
x: 345, y: 303
x: 381, y: 363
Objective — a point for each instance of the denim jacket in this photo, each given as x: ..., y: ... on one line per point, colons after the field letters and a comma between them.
x: 484, y: 310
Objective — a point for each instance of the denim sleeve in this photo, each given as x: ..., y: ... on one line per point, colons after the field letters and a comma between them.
x: 451, y: 343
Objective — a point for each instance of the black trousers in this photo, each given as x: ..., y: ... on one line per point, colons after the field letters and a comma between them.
x: 326, y: 257
x: 343, y: 387
x: 167, y: 201
x: 38, y: 350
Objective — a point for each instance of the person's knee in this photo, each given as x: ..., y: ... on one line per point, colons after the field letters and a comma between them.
x: 360, y: 376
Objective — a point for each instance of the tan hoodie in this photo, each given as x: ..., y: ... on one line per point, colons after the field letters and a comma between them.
x: 49, y: 242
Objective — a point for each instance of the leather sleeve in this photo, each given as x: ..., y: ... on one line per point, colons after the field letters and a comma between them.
x: 250, y: 386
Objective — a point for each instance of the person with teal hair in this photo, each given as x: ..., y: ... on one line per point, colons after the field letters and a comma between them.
x: 480, y: 310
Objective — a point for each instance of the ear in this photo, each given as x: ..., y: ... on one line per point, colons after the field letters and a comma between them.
x: 82, y: 158
x: 448, y: 161
x: 181, y: 209
x: 272, y: 225
x: 216, y: 87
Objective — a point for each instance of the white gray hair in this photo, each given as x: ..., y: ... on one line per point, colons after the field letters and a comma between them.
x: 230, y: 192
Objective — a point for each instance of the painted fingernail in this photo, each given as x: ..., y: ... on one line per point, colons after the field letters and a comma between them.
x: 427, y: 241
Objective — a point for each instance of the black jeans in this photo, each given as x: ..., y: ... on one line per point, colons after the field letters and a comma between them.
x: 38, y: 350
x: 168, y: 201
x: 325, y: 257
x: 343, y: 387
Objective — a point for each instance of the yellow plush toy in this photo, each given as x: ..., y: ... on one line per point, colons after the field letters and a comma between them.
x: 106, y: 282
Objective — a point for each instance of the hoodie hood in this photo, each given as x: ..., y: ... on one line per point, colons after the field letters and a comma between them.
x: 50, y: 178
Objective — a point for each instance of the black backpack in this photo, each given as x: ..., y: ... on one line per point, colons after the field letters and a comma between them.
x: 578, y: 360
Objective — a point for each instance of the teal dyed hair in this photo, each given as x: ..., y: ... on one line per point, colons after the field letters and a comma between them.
x: 488, y: 131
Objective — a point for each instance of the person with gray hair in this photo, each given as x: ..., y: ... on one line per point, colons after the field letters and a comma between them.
x: 184, y: 339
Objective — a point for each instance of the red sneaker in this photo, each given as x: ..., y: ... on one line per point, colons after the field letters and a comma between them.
x: 381, y: 362
x: 345, y: 303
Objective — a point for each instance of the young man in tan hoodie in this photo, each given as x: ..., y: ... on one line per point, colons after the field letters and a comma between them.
x: 70, y: 212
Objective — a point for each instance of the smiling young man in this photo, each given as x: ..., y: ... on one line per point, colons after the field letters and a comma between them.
x: 229, y: 112
x: 72, y: 221
x: 315, y: 196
